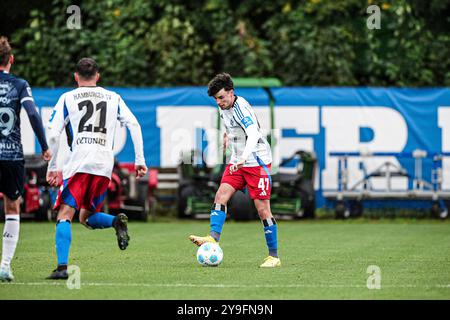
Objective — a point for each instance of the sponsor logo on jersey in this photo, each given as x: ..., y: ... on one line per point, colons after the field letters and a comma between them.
x: 87, y: 140
x: 247, y: 121
x: 8, y: 146
x: 5, y: 100
x: 4, y: 88
x: 267, y: 231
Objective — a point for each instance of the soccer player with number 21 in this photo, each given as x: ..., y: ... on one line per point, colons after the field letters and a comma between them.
x: 89, y: 115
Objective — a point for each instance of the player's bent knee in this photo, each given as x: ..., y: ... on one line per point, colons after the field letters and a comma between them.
x: 264, y: 213
x: 224, y: 194
x: 65, y: 213
x: 265, y: 216
x: 222, y: 198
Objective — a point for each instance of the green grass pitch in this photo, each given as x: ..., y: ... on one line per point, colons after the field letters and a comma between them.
x: 322, y: 259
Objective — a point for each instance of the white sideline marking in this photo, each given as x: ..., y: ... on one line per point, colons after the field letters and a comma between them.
x: 191, y: 285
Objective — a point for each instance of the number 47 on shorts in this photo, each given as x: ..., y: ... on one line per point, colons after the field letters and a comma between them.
x: 264, y: 184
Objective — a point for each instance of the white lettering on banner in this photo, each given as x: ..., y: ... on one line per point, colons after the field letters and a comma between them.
x: 210, y: 152
x: 444, y: 124
x: 263, y: 115
x: 179, y: 134
x: 302, y: 119
x: 342, y: 134
x: 178, y: 129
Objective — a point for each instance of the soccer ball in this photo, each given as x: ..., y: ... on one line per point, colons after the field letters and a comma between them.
x: 209, y: 254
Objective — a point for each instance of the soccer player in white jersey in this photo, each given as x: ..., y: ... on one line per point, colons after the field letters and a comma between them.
x: 89, y: 116
x: 249, y: 166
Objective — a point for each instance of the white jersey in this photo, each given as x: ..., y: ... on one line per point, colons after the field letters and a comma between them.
x: 89, y: 115
x: 244, y: 135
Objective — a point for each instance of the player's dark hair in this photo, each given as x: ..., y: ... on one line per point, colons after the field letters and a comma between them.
x: 5, y: 51
x: 86, y: 68
x: 219, y: 82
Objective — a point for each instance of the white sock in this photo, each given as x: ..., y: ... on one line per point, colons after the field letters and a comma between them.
x: 10, y: 238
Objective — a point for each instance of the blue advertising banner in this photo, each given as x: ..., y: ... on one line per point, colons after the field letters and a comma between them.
x: 388, y: 122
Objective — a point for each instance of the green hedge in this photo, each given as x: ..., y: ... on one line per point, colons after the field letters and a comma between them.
x: 304, y: 43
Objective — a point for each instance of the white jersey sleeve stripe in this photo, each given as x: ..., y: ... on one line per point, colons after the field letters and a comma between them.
x: 26, y: 99
x: 238, y: 111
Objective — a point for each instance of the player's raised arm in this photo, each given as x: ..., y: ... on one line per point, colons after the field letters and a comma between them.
x: 126, y: 117
x: 27, y: 101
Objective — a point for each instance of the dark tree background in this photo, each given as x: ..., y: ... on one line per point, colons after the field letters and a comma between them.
x: 174, y: 42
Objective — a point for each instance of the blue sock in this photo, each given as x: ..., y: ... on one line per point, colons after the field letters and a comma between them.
x: 100, y: 220
x: 271, y: 234
x: 217, y: 219
x: 63, y: 238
